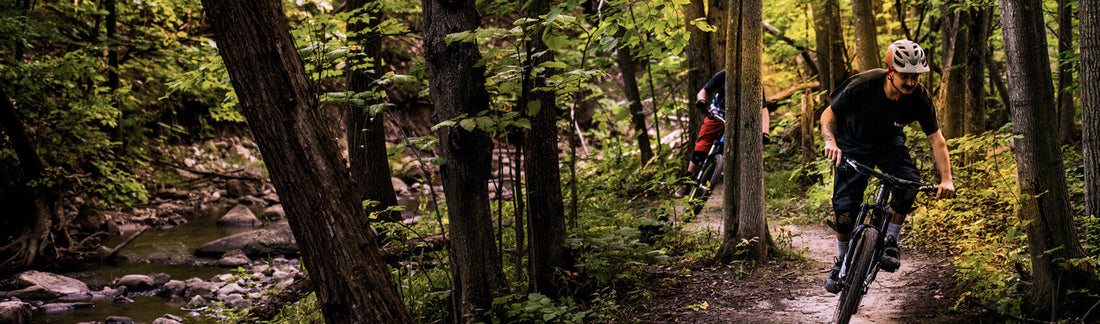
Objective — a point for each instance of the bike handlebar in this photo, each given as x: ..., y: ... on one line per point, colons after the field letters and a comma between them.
x: 892, y: 180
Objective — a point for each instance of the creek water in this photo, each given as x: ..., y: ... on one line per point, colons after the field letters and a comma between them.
x: 164, y: 250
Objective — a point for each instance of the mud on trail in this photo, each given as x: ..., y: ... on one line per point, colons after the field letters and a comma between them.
x: 789, y: 290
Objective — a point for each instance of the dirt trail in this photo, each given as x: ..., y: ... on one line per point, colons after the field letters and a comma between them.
x: 790, y: 291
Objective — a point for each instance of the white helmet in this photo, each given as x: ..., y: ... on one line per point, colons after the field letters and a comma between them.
x: 907, y: 57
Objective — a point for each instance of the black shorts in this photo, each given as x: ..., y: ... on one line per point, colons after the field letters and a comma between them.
x: 849, y: 186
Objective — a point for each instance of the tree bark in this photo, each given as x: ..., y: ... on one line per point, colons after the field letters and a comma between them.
x: 809, y: 150
x: 699, y: 58
x: 719, y: 18
x: 338, y: 245
x: 975, y: 56
x: 35, y: 206
x: 626, y: 61
x: 457, y: 86
x: 1051, y: 233
x: 366, y: 133
x: 831, y: 58
x: 1090, y: 104
x: 548, y: 253
x: 1067, y: 132
x: 863, y: 21
x: 952, y: 98
x: 744, y: 197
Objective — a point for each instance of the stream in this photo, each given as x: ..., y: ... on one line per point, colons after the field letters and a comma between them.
x: 157, y: 250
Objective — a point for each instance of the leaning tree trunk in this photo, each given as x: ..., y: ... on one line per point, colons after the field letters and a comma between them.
x: 366, y: 133
x: 457, y: 85
x: 34, y: 206
x: 744, y: 195
x: 1066, y: 128
x: 1090, y: 105
x: 548, y: 253
x: 952, y: 98
x: 626, y: 62
x: 338, y: 245
x: 1051, y: 233
x: 863, y: 21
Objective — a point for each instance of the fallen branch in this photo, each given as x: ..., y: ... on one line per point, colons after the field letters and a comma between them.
x: 109, y: 253
x: 213, y: 174
x: 267, y: 308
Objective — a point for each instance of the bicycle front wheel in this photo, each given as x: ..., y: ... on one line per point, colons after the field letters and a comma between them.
x: 856, y: 278
x: 708, y: 176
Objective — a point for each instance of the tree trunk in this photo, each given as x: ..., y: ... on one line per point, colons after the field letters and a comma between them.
x: 830, y: 45
x: 719, y: 18
x: 548, y: 253
x: 809, y: 150
x: 457, y: 86
x: 744, y: 182
x: 338, y: 246
x: 863, y: 21
x: 699, y: 58
x: 630, y: 89
x: 112, y: 68
x: 366, y: 133
x: 975, y: 56
x: 1066, y: 128
x: 34, y: 206
x: 952, y: 98
x: 1051, y: 233
x: 1090, y: 104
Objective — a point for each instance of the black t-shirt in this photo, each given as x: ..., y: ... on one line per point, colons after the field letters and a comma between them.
x: 867, y: 122
x: 716, y: 88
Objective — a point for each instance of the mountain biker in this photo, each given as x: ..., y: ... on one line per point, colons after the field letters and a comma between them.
x: 865, y: 122
x: 713, y: 128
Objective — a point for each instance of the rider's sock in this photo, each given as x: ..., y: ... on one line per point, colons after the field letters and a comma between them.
x: 841, y: 249
x: 893, y: 230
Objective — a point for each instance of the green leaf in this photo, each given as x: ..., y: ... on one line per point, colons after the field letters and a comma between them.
x: 468, y: 124
x: 533, y: 108
x: 522, y: 123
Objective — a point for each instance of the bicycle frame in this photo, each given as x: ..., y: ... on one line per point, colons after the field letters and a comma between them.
x: 878, y: 224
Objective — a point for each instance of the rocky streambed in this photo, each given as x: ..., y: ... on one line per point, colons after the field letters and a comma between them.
x: 221, y: 253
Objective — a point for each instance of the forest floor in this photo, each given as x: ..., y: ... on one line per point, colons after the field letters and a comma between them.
x: 789, y: 289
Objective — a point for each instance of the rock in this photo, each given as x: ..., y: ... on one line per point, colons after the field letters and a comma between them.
x: 33, y: 293
x: 172, y: 288
x: 239, y: 216
x: 234, y: 259
x: 53, y: 283
x: 252, y: 201
x: 109, y: 292
x: 399, y: 186
x: 123, y: 300
x: 273, y: 240
x: 202, y: 288
x: 271, y: 198
x: 168, y: 319
x: 196, y: 302
x: 63, y: 307
x: 235, y: 188
x: 236, y: 301
x: 118, y: 320
x: 15, y: 312
x: 135, y: 282
x: 274, y: 212
x: 77, y: 296
x: 231, y: 289
x: 172, y: 194
x: 159, y: 279
x: 221, y: 277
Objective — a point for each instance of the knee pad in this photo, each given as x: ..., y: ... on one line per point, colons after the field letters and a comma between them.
x: 845, y: 221
x: 697, y: 157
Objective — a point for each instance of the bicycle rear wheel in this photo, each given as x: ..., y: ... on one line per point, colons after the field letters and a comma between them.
x: 857, y: 276
x: 708, y: 176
